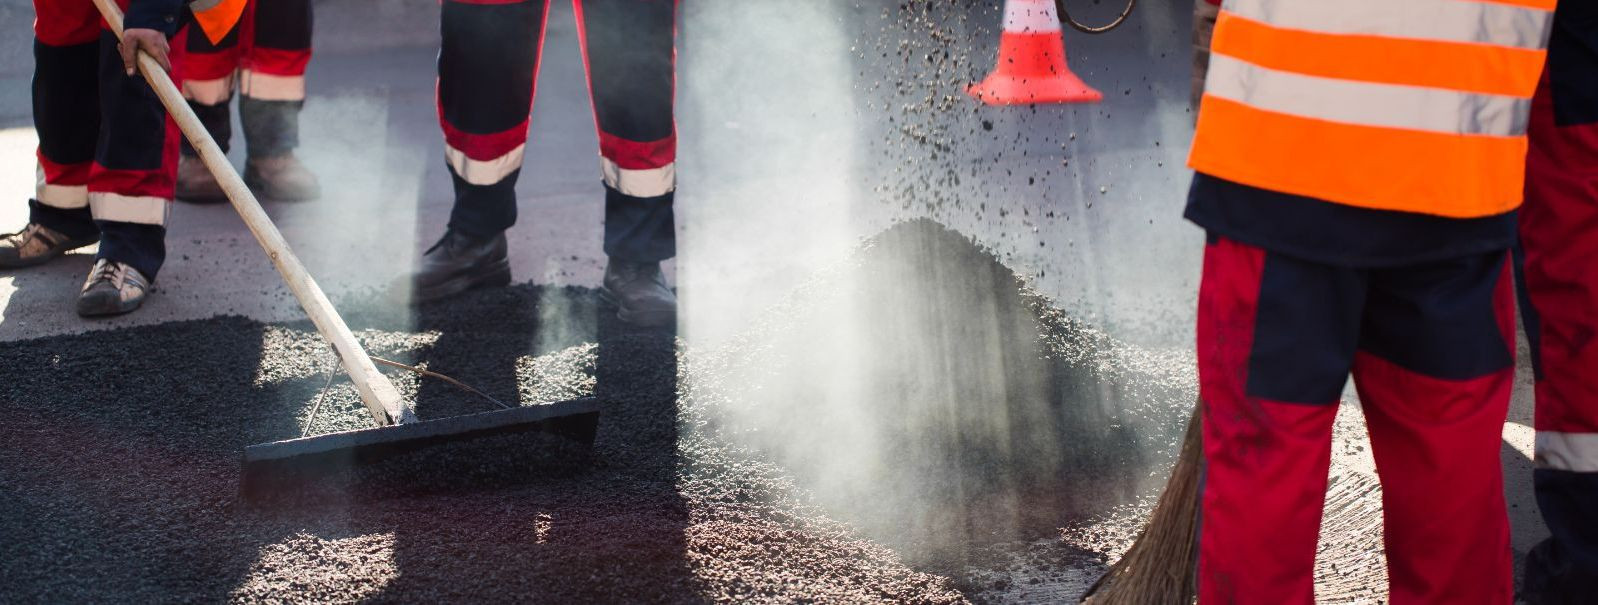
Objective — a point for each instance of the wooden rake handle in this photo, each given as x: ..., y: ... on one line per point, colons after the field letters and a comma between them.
x: 379, y: 395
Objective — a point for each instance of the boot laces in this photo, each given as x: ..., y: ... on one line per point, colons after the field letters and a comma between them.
x: 21, y: 236
x: 109, y: 271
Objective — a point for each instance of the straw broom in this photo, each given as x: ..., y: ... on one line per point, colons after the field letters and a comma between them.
x: 1159, y: 568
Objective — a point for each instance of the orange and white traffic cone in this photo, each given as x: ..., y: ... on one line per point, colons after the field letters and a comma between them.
x: 1031, y: 65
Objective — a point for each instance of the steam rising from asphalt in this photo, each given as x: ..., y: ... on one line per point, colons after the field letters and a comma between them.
x: 913, y: 384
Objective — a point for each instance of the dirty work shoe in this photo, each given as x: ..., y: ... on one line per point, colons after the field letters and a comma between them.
x: 281, y: 177
x: 196, y: 184
x: 640, y: 294
x: 35, y: 245
x: 460, y: 262
x: 113, y: 288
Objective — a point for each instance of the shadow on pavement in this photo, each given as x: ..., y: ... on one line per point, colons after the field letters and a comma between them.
x: 47, y: 289
x: 611, y: 531
x: 120, y: 459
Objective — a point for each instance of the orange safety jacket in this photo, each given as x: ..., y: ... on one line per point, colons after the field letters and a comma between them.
x: 217, y: 17
x: 1406, y: 105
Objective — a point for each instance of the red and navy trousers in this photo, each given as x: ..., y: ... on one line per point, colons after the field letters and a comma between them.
x: 107, y: 149
x: 264, y: 59
x: 1431, y: 350
x: 1558, y: 266
x: 487, y: 70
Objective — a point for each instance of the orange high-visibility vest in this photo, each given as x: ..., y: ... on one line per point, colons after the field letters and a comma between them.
x: 217, y: 17
x: 1407, y: 105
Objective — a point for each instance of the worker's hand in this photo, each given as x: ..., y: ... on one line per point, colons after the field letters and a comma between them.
x: 150, y: 41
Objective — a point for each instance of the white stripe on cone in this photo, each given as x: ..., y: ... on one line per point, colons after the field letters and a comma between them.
x: 1030, y: 17
x: 1365, y: 103
x: 69, y: 197
x: 651, y: 182
x: 268, y: 87
x: 1576, y: 452
x: 140, y: 209
x: 484, y: 172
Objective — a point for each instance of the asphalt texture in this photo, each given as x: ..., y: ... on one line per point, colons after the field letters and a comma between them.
x: 126, y: 489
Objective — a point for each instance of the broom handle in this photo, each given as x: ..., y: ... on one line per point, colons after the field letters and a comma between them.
x: 379, y: 395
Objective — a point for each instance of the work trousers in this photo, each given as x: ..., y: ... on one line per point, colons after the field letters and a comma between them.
x: 1431, y: 350
x: 487, y: 71
x: 107, y: 149
x: 264, y: 59
x: 1559, y: 306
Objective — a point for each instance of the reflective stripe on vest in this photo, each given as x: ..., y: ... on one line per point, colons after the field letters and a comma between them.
x: 217, y: 17
x: 1415, y: 106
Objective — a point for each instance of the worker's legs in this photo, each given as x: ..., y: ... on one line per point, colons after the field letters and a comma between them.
x: 132, y: 179
x: 107, y: 151
x: 486, y: 72
x: 210, y: 74
x: 1434, y: 373
x: 629, y: 54
x: 271, y: 94
x: 487, y: 68
x: 272, y: 79
x: 1276, y: 339
x: 1559, y: 288
x: 66, y: 114
x: 107, y: 160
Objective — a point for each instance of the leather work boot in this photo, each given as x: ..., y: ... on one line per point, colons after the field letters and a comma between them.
x: 460, y: 262
x: 281, y: 177
x: 35, y: 245
x: 113, y: 288
x: 640, y: 293
x: 196, y: 184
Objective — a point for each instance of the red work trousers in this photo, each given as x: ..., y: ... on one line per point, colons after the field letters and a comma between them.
x: 1430, y: 347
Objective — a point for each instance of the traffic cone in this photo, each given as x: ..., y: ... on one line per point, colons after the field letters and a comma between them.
x: 1031, y: 65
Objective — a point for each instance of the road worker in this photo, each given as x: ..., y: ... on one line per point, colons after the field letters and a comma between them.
x: 1359, y: 165
x: 1559, y: 307
x: 108, y: 152
x: 264, y: 59
x: 485, y: 93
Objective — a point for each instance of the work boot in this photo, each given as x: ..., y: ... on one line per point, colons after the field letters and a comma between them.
x: 36, y: 244
x: 460, y: 262
x: 113, y: 288
x: 196, y: 184
x: 640, y: 293
x: 281, y: 177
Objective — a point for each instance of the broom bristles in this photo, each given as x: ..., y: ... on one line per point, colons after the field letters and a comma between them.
x: 1159, y: 567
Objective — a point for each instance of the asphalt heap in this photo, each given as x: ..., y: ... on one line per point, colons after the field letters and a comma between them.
x: 119, y: 467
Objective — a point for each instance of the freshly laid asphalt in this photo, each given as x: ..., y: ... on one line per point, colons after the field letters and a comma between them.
x: 125, y: 489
